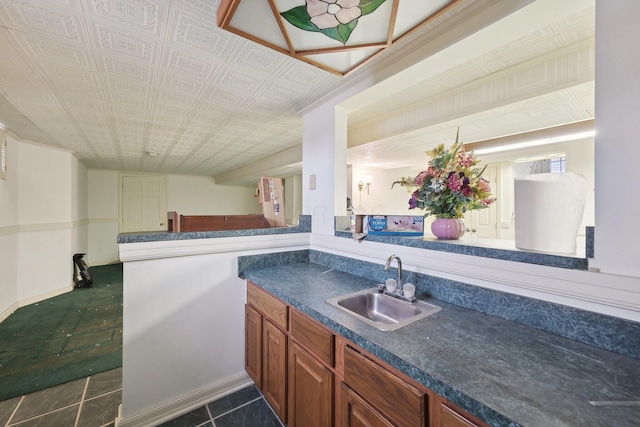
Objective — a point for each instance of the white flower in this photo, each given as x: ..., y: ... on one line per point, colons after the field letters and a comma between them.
x: 437, y: 185
x: 331, y: 13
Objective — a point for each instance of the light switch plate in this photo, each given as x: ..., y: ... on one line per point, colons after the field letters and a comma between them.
x: 312, y: 182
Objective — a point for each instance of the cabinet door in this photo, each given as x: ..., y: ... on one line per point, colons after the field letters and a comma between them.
x: 355, y: 412
x: 253, y: 345
x: 274, y: 368
x: 310, y: 390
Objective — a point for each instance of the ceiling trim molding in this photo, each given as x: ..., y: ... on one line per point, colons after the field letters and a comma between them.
x: 262, y: 167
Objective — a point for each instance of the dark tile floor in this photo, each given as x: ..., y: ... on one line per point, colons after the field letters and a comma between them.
x: 245, y: 407
x: 88, y: 402
x: 94, y: 401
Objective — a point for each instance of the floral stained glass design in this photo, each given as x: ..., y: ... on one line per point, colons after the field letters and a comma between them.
x: 334, y: 18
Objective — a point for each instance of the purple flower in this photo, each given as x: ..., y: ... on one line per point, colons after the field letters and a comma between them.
x: 413, y: 201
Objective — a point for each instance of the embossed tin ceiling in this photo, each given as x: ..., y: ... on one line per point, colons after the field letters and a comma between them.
x: 112, y: 80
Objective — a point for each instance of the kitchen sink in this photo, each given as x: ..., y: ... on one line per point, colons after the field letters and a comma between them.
x: 382, y: 311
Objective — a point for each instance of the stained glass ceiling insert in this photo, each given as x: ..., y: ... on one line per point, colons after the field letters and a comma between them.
x: 335, y: 35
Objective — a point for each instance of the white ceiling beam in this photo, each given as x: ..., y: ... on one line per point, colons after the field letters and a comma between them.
x: 262, y: 167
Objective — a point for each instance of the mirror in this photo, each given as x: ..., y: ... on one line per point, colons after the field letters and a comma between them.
x: 497, y: 221
x: 532, y: 76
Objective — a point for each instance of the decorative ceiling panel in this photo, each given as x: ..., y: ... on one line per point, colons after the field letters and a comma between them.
x: 143, y: 15
x: 44, y: 18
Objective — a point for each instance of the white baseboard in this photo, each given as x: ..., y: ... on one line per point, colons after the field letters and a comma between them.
x: 6, y: 313
x: 32, y: 300
x: 183, y: 404
x: 44, y: 296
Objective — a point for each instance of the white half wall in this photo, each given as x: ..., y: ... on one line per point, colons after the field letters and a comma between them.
x: 183, y: 319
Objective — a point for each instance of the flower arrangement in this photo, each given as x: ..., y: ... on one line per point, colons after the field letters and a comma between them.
x: 451, y: 185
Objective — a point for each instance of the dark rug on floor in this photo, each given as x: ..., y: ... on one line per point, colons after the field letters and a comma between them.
x: 64, y: 338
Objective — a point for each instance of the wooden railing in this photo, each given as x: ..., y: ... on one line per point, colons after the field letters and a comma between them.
x: 185, y: 223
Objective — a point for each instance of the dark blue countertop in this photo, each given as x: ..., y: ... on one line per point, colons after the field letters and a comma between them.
x: 506, y: 373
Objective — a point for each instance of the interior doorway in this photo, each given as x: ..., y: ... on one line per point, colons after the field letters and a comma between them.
x: 143, y: 203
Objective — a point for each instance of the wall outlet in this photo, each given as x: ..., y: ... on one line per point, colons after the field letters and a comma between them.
x: 312, y: 182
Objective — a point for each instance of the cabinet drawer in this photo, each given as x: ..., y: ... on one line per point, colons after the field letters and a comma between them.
x: 355, y: 412
x: 313, y: 336
x: 274, y: 309
x: 402, y: 403
x: 451, y: 418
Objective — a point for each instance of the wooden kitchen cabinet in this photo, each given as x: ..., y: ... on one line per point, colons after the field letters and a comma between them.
x: 355, y: 412
x: 311, y: 377
x: 266, y: 322
x: 311, y: 390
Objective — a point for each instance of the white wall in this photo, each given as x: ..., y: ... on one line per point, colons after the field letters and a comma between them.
x: 103, y: 217
x: 9, y: 232
x: 617, y: 148
x: 381, y: 199
x: 42, y: 224
x: 293, y: 199
x: 200, y: 195
x: 186, y: 194
x: 79, y: 207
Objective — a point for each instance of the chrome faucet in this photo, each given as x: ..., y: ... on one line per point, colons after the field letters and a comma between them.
x: 386, y: 268
x: 398, y: 293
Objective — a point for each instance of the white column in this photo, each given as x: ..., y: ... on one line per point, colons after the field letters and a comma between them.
x: 324, y: 155
x: 617, y: 148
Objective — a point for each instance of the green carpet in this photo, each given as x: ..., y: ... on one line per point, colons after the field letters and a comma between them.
x: 64, y: 338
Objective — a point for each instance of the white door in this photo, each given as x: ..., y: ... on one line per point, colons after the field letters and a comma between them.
x: 143, y: 204
x: 484, y: 222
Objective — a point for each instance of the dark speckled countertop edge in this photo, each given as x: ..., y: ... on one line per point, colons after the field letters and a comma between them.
x: 528, y: 257
x: 304, y: 226
x: 294, y: 286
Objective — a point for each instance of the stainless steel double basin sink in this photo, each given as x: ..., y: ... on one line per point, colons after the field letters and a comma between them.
x: 382, y: 311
